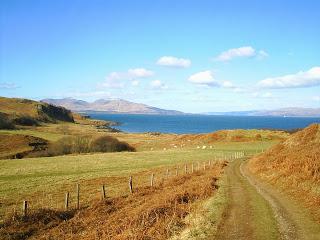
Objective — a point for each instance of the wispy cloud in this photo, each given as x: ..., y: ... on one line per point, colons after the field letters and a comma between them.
x: 227, y: 84
x: 316, y: 98
x: 135, y: 83
x: 139, y: 73
x: 170, y: 61
x: 85, y: 94
x: 301, y: 79
x: 241, y: 52
x: 117, y: 79
x: 158, y: 85
x: 206, y: 78
x: 263, y: 95
x: 113, y: 80
x: 8, y: 86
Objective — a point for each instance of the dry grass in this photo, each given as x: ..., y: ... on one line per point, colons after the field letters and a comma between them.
x: 150, y: 142
x: 13, y: 145
x: 21, y: 106
x: 294, y: 166
x: 149, y: 213
x: 237, y: 135
x: 44, y: 181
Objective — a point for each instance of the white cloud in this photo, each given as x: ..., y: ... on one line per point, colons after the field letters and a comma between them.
x: 157, y: 85
x: 240, y: 90
x: 227, y: 84
x: 135, y: 83
x: 109, y: 83
x: 6, y: 85
x: 267, y: 95
x: 140, y: 73
x: 316, y: 98
x: 117, y: 79
x: 301, y: 79
x: 113, y: 80
x: 89, y: 94
x: 170, y: 61
x: 262, y: 95
x: 246, y: 51
x: 262, y: 54
x: 206, y: 78
x: 115, y: 76
x: 203, y: 78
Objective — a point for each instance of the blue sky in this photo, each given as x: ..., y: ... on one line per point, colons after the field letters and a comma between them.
x: 193, y: 56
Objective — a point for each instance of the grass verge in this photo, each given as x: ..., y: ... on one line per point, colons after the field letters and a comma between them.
x: 204, y: 221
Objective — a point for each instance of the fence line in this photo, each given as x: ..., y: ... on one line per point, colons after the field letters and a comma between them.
x: 206, y: 166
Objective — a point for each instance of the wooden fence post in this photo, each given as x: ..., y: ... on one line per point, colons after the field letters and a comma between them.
x: 185, y: 169
x: 204, y: 166
x: 130, y: 185
x: 167, y: 173
x: 176, y: 171
x: 66, y: 201
x: 198, y: 166
x: 78, y: 195
x: 192, y: 168
x: 152, y: 180
x: 103, y: 192
x: 25, y: 208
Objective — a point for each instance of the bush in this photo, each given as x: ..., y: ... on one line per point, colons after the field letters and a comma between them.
x: 85, y: 144
x: 258, y: 136
x: 61, y: 147
x: 81, y: 144
x: 26, y: 121
x: 5, y: 123
x: 109, y: 144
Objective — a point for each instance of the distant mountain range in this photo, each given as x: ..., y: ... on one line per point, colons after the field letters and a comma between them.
x: 281, y: 112
x: 127, y: 107
x: 109, y: 106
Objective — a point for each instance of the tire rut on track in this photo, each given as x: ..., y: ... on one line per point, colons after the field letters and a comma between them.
x: 239, y: 217
x: 258, y: 211
x: 294, y: 223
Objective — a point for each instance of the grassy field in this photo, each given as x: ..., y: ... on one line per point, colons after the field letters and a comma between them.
x: 43, y: 181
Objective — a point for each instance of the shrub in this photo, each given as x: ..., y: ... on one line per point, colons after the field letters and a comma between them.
x: 26, y: 121
x: 110, y: 144
x: 81, y: 144
x: 61, y: 147
x: 5, y: 123
x: 258, y: 136
x: 85, y: 144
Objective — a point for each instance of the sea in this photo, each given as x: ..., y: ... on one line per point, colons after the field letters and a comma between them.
x: 181, y: 124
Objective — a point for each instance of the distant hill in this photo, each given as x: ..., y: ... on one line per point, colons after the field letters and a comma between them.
x: 109, y: 106
x: 281, y: 112
x: 18, y: 111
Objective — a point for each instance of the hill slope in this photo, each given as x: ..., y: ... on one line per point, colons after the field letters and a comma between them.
x: 235, y: 135
x: 110, y: 106
x: 27, y: 112
x: 294, y: 166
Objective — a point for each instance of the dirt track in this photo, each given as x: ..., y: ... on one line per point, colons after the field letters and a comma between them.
x: 258, y: 211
